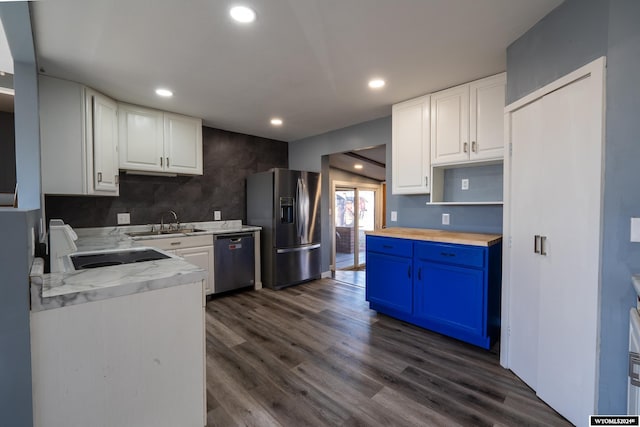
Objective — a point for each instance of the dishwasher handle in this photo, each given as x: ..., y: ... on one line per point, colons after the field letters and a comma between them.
x: 235, y: 238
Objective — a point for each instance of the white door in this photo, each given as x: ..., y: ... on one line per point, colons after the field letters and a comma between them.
x: 203, y: 258
x: 450, y: 125
x: 486, y: 121
x: 183, y: 144
x: 570, y: 273
x: 410, y: 147
x: 556, y: 192
x: 105, y: 144
x: 526, y: 206
x: 141, y: 138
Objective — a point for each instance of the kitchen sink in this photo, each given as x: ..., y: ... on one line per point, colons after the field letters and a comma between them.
x: 111, y: 258
x: 158, y: 232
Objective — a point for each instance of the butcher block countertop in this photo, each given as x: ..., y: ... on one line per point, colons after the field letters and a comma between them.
x: 442, y: 236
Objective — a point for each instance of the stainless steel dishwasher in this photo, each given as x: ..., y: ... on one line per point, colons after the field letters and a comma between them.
x: 234, y: 261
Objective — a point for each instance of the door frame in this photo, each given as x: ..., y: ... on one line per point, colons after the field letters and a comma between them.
x: 595, y: 69
x: 378, y: 211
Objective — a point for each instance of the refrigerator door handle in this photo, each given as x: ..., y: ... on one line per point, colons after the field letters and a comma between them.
x: 302, y: 206
x: 298, y: 249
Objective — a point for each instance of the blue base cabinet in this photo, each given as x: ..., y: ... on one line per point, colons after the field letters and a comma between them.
x: 451, y: 289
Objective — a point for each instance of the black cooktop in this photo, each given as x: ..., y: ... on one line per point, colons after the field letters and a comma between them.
x: 106, y: 259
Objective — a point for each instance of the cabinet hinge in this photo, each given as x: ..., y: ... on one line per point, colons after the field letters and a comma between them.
x: 511, y: 148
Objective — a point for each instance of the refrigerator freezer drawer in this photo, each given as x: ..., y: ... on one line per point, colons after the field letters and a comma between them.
x: 295, y: 265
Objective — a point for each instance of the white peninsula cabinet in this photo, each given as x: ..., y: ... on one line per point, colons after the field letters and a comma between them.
x: 467, y: 122
x: 410, y: 148
x: 154, y: 141
x: 79, y: 139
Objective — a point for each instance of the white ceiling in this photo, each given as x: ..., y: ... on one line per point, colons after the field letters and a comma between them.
x: 373, y: 161
x: 306, y: 61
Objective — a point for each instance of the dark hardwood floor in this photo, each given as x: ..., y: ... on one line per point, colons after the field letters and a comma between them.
x: 315, y: 355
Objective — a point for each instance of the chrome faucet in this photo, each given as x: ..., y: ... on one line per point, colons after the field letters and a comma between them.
x: 176, y: 223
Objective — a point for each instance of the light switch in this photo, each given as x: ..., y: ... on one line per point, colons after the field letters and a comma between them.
x: 124, y: 218
x: 445, y: 219
x: 465, y: 184
x: 635, y: 229
x: 217, y: 215
x: 394, y: 216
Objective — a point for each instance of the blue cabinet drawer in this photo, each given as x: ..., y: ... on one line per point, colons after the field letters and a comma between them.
x: 390, y: 246
x: 469, y: 256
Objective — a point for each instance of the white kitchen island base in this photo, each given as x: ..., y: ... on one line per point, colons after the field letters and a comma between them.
x: 134, y: 360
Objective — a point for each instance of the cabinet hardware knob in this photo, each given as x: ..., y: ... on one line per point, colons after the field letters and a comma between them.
x: 175, y: 243
x: 426, y: 181
x: 420, y: 273
x: 474, y: 146
x: 409, y: 272
x: 99, y: 176
x: 117, y: 179
x: 161, y: 160
x: 543, y: 245
x: 167, y: 162
x: 387, y: 246
x: 466, y: 147
x: 536, y: 244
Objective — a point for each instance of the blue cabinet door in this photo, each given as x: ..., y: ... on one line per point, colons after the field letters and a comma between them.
x: 389, y: 281
x: 451, y: 298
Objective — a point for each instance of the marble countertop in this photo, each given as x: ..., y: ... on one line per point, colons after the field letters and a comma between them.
x: 441, y: 236
x: 54, y: 290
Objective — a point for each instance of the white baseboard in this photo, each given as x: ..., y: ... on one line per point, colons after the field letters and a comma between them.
x: 326, y: 274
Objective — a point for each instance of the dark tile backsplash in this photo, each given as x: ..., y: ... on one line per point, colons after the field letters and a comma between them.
x: 228, y: 159
x: 7, y: 153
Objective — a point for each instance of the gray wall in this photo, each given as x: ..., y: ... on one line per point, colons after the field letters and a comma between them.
x: 17, y: 25
x: 15, y: 353
x: 306, y: 154
x: 15, y: 225
x: 228, y: 158
x: 569, y: 37
x: 7, y: 153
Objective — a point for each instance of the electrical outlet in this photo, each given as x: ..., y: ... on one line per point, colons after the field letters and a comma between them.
x: 635, y: 229
x: 445, y: 219
x: 465, y: 184
x: 217, y: 215
x: 394, y: 216
x: 124, y: 218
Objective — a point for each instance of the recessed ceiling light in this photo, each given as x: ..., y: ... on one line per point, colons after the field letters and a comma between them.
x: 376, y: 83
x: 164, y: 92
x: 242, y: 14
x: 276, y: 122
x: 358, y: 166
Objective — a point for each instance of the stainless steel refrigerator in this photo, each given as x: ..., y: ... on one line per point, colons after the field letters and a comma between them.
x: 286, y: 204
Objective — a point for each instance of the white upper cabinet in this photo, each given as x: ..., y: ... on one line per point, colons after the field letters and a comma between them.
x: 159, y: 142
x: 79, y: 139
x: 450, y: 125
x: 486, y: 121
x: 183, y: 144
x: 467, y: 122
x: 141, y: 138
x: 410, y: 147
x: 104, y: 133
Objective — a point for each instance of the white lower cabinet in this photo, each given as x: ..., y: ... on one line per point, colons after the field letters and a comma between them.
x: 135, y: 360
x: 198, y: 250
x: 553, y: 223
